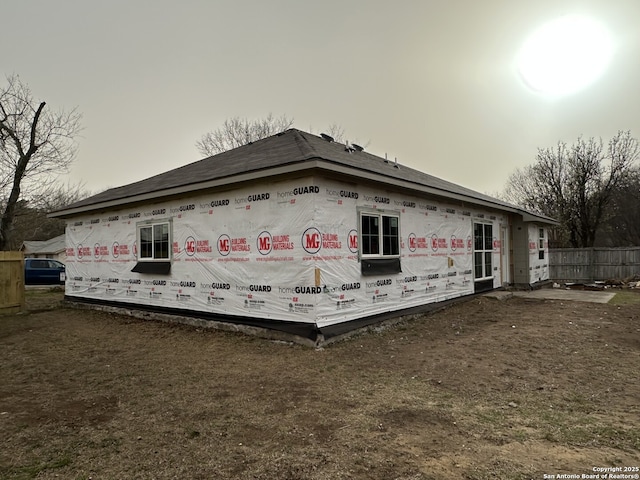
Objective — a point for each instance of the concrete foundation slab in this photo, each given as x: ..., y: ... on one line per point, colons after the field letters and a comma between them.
x: 556, y: 294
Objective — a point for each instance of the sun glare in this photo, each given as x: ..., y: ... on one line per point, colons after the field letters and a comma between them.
x: 565, y: 55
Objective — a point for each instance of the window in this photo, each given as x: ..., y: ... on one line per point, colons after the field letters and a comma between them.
x: 154, y: 247
x: 482, y: 250
x: 370, y: 235
x: 541, y: 244
x: 380, y: 243
x: 380, y: 235
x: 154, y: 242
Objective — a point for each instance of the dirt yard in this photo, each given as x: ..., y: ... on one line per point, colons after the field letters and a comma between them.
x: 485, y: 389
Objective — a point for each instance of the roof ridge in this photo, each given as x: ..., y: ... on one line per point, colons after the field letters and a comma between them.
x: 302, y: 142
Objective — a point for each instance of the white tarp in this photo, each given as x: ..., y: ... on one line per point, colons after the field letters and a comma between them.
x: 282, y: 251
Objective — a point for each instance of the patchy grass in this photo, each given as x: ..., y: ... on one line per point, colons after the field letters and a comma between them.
x: 458, y: 394
x: 27, y: 472
x: 626, y: 297
x: 43, y: 298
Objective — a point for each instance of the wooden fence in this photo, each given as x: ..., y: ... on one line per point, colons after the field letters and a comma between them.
x: 11, y: 282
x: 586, y: 265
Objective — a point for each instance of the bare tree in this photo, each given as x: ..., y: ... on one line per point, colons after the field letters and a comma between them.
x: 575, y: 184
x: 622, y: 227
x: 36, y: 145
x: 336, y: 132
x: 236, y: 132
x: 31, y: 221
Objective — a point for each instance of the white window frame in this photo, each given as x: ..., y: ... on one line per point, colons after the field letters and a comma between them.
x: 152, y: 224
x: 541, y: 244
x: 484, y: 251
x: 380, y: 214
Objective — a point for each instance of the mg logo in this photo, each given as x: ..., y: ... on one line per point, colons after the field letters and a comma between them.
x: 353, y: 241
x: 434, y: 242
x: 114, y: 249
x: 224, y: 245
x: 412, y: 242
x: 96, y: 250
x: 264, y: 243
x: 190, y: 246
x: 455, y: 244
x: 311, y: 240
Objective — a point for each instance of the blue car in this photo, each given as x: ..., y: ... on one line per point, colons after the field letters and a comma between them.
x: 44, y: 271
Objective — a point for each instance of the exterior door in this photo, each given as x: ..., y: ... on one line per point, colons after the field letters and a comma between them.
x: 482, y: 256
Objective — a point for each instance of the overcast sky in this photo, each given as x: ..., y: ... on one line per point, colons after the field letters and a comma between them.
x: 431, y: 82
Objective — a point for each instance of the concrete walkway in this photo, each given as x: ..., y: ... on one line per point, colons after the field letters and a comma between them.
x: 556, y: 294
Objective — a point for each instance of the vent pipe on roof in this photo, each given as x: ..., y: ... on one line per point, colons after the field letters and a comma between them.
x: 396, y: 163
x: 386, y: 160
x: 352, y: 147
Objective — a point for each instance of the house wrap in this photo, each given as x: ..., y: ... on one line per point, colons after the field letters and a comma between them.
x: 297, y: 233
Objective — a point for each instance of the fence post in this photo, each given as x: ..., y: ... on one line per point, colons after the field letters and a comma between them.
x: 12, y: 299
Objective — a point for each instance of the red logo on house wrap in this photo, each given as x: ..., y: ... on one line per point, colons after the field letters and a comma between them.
x: 240, y: 244
x: 83, y: 251
x: 264, y: 243
x: 331, y: 240
x: 438, y: 243
x: 224, y: 245
x: 353, y: 241
x: 412, y: 242
x: 456, y: 243
x: 311, y: 240
x: 117, y: 249
x: 100, y: 250
x: 190, y: 246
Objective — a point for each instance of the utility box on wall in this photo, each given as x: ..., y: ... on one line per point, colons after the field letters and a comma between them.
x: 11, y: 283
